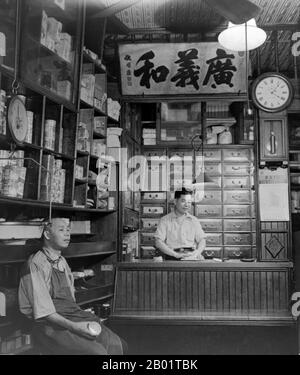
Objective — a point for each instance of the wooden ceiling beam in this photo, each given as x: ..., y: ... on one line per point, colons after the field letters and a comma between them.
x: 115, y: 8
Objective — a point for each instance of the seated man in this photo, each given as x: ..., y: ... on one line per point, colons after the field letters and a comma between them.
x: 46, y: 295
x: 179, y: 235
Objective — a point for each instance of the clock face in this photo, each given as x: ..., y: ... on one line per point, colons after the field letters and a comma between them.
x: 272, y: 92
x: 17, y: 120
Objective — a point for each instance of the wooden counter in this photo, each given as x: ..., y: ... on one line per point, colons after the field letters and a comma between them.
x: 203, y: 292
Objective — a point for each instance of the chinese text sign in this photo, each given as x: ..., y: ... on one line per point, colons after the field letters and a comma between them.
x: 181, y: 68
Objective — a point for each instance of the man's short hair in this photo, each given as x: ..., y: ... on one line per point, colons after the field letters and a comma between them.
x: 183, y: 191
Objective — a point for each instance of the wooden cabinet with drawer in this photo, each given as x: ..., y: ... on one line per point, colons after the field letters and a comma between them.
x: 240, y: 182
x: 212, y: 197
x: 213, y: 239
x: 147, y: 238
x: 236, y: 169
x: 238, y: 252
x: 213, y: 169
x: 212, y: 252
x: 153, y: 210
x: 211, y: 225
x: 210, y: 155
x: 237, y: 211
x: 237, y: 238
x: 236, y: 196
x: 237, y: 155
x: 207, y: 211
x: 153, y: 196
x: 241, y: 225
x: 149, y: 224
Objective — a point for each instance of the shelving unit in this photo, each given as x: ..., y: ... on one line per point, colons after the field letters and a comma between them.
x: 56, y: 109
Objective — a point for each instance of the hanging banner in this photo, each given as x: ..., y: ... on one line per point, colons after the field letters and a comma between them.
x: 181, y: 68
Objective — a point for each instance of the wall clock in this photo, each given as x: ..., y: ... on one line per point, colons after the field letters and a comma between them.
x: 272, y: 92
x: 17, y: 120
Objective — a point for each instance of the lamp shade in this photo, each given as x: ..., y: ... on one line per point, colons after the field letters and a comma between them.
x: 234, y: 37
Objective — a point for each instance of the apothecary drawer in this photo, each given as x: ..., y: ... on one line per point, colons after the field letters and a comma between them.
x: 213, y: 239
x: 154, y: 153
x: 211, y: 197
x: 238, y: 252
x: 206, y: 210
x: 211, y: 225
x: 148, y: 252
x: 237, y: 155
x: 237, y: 225
x: 181, y: 153
x: 147, y: 238
x: 213, y: 169
x: 236, y: 169
x: 154, y: 196
x: 237, y: 239
x: 153, y: 210
x: 237, y: 210
x: 236, y: 196
x: 211, y: 155
x: 150, y: 224
x: 236, y: 182
x: 212, y: 252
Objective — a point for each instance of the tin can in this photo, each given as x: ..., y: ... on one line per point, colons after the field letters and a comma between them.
x: 30, y: 116
x: 49, y: 134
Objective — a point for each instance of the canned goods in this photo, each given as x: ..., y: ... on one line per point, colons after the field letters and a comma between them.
x: 13, y: 181
x: 30, y: 116
x: 49, y: 134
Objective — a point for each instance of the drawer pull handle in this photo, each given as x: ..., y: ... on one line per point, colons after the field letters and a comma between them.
x: 211, y: 240
x: 210, y: 253
x: 237, y: 239
x: 235, y: 168
x: 237, y: 226
x: 208, y: 196
x: 236, y: 211
x: 236, y: 197
x: 237, y: 253
x: 207, y: 154
x: 209, y: 212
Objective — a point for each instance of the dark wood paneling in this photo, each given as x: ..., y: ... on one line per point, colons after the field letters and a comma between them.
x: 188, y: 290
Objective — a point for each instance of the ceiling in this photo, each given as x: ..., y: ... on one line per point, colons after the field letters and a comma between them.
x: 196, y: 20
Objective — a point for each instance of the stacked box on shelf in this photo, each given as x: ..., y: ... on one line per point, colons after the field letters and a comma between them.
x: 100, y: 93
x: 87, y: 86
x: 12, y: 174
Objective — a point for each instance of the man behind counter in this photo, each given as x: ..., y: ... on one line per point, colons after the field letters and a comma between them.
x: 46, y: 295
x: 179, y: 234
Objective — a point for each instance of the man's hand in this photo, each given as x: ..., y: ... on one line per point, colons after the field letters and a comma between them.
x: 81, y: 328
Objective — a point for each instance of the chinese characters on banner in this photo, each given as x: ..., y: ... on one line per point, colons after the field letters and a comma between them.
x: 181, y: 68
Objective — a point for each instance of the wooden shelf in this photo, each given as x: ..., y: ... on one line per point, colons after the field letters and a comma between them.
x: 81, y: 180
x: 83, y: 153
x: 98, y: 135
x: 88, y: 58
x: 57, y: 154
x: 20, y: 253
x: 55, y: 206
x: 93, y: 294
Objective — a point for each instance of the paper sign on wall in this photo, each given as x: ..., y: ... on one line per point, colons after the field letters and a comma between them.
x: 273, y: 195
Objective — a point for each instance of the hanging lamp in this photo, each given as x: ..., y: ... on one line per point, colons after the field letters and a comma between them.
x: 243, y: 37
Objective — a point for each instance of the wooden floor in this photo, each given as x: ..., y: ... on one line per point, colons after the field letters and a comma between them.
x: 207, y: 340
